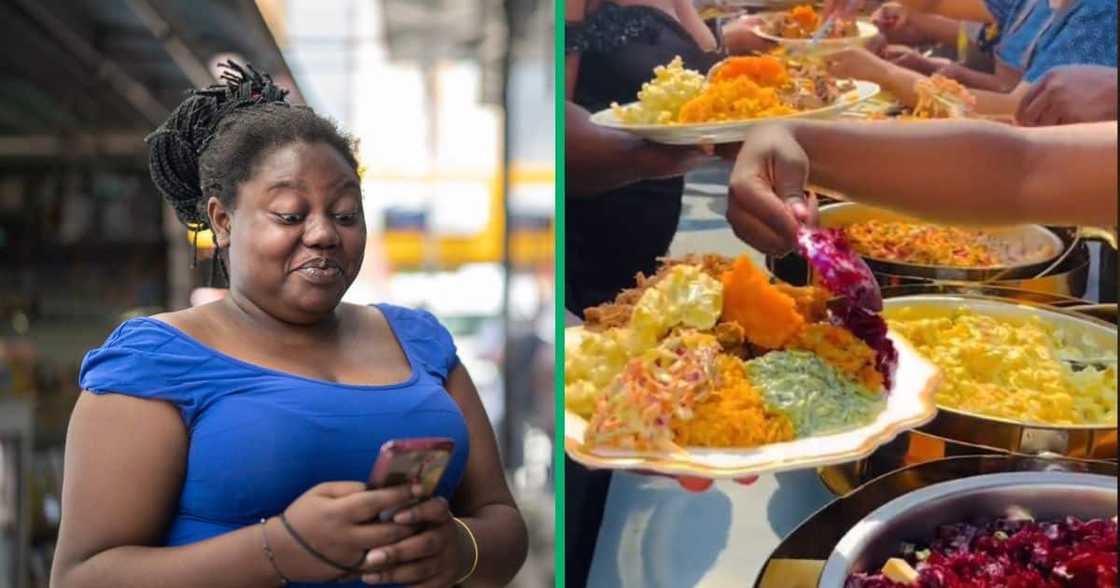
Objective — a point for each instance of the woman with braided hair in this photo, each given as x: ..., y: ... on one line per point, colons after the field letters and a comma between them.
x: 228, y: 445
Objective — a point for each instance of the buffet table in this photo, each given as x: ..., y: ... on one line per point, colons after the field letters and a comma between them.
x: 653, y: 532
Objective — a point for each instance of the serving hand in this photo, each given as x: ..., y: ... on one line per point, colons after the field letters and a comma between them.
x: 766, y: 202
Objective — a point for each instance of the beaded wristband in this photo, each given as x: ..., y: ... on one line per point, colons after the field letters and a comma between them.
x: 474, y: 543
x: 356, y: 568
x: 271, y: 556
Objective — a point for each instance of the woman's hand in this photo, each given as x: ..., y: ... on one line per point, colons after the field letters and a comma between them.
x: 954, y: 71
x: 657, y: 161
x: 893, y: 21
x: 890, y: 17
x: 912, y: 60
x: 433, y: 558
x: 766, y: 201
x: 856, y: 64
x: 1070, y: 94
x: 339, y: 520
x: 739, y: 36
x: 877, y: 44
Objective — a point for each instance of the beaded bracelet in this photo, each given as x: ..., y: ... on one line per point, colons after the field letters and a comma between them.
x: 271, y: 556
x: 474, y: 543
x: 356, y: 568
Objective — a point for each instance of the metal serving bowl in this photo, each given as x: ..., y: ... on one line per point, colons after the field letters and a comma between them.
x: 915, y: 516
x: 812, y: 542
x: 1067, y: 276
x: 956, y: 433
x: 1090, y: 440
x: 1044, y: 245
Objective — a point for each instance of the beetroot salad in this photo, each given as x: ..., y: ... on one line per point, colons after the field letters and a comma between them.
x: 1008, y: 554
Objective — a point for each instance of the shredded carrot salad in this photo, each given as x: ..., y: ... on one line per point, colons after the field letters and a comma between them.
x: 922, y: 243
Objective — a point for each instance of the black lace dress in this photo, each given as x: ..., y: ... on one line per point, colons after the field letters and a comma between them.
x: 612, y: 236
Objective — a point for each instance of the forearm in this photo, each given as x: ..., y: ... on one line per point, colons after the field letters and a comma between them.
x: 977, y: 80
x: 967, y: 171
x: 690, y: 19
x: 206, y: 563
x: 971, y: 10
x: 997, y: 104
x: 937, y: 28
x: 597, y: 160
x: 899, y: 82
x: 503, y: 544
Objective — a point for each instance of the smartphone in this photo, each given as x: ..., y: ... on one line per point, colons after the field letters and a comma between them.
x: 411, y: 461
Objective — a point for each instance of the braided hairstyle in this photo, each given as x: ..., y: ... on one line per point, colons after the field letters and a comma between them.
x: 214, y: 138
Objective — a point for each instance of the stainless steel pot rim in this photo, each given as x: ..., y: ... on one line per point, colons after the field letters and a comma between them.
x: 1036, y: 306
x: 1004, y: 292
x: 959, y: 288
x: 1031, y: 425
x: 904, y: 269
x: 837, y: 562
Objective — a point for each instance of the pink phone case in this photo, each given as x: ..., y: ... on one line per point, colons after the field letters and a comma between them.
x: 403, y: 461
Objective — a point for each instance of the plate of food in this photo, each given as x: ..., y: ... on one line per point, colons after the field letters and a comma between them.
x: 707, y: 368
x: 680, y: 106
x: 794, y: 29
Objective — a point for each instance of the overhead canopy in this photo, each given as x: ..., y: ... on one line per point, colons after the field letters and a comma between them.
x: 92, y: 77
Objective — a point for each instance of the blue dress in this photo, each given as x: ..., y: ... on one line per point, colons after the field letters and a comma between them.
x: 259, y: 438
x: 1086, y: 34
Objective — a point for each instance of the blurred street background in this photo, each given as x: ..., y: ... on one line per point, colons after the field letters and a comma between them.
x: 452, y: 102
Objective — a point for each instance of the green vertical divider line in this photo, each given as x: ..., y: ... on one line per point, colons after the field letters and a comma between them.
x: 558, y: 249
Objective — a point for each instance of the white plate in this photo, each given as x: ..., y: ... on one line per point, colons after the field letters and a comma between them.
x: 909, y: 405
x: 866, y: 31
x: 732, y: 131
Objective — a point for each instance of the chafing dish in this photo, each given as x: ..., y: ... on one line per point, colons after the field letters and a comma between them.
x: 1039, y: 245
x: 1062, y: 271
x: 811, y: 543
x: 957, y: 433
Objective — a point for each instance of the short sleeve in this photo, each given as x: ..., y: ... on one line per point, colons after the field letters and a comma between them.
x: 1088, y: 37
x: 141, y: 359
x: 1004, y: 11
x: 425, y: 339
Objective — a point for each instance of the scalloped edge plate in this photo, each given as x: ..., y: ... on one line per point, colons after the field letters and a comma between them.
x: 909, y: 405
x: 732, y: 131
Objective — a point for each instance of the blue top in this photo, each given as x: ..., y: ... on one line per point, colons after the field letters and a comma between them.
x: 259, y: 438
x: 1085, y: 34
